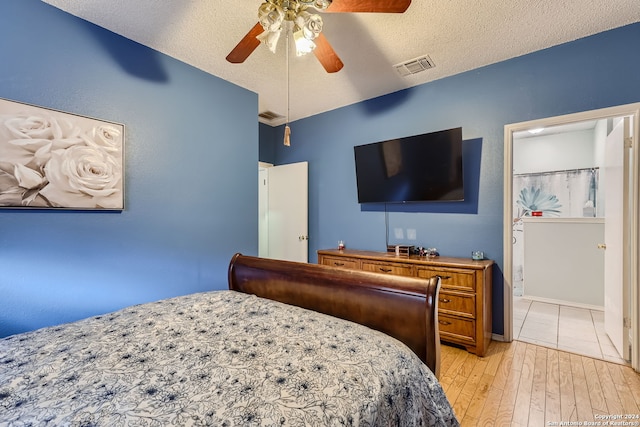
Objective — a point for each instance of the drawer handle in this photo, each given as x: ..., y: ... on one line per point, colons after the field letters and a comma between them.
x: 386, y: 270
x: 445, y: 277
x: 445, y: 300
x: 338, y: 264
x: 443, y: 322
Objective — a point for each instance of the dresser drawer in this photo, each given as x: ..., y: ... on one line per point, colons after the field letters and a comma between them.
x: 458, y: 303
x: 341, y: 262
x: 391, y: 268
x: 459, y: 329
x: 450, y: 278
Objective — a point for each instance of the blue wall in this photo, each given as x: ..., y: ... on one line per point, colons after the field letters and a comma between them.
x: 267, y: 143
x: 590, y: 73
x: 183, y: 218
x: 187, y: 134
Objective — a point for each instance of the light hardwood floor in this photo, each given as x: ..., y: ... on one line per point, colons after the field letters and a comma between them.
x: 521, y: 384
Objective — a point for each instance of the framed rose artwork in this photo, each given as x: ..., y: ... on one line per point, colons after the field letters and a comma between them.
x: 55, y: 160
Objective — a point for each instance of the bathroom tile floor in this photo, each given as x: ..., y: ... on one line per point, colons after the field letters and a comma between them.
x: 576, y: 330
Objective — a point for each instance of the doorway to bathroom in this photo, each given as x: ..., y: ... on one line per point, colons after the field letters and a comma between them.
x: 571, y: 233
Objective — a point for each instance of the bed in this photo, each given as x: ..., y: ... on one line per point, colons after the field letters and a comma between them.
x: 288, y: 344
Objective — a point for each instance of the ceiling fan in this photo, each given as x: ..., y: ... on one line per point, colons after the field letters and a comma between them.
x: 306, y: 27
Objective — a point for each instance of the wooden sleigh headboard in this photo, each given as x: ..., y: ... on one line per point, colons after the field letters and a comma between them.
x: 403, y: 307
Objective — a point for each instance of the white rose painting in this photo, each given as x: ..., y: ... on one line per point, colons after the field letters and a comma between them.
x: 50, y: 159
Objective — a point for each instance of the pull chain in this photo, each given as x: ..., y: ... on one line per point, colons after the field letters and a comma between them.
x: 287, y: 130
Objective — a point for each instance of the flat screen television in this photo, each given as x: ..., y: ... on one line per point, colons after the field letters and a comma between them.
x: 419, y: 168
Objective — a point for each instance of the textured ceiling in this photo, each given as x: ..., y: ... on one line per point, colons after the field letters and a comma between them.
x: 458, y: 35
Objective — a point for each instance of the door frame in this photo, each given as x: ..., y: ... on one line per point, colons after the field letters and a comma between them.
x: 632, y: 228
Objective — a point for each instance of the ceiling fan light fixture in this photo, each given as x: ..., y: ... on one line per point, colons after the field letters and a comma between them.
x: 271, y: 16
x: 310, y: 23
x: 270, y: 39
x: 307, y: 27
x: 317, y: 4
x: 303, y: 44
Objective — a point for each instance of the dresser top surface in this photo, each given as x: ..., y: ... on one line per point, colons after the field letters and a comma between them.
x: 440, y: 261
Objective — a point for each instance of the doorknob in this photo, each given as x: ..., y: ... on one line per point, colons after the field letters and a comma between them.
x: 303, y: 238
x: 602, y: 246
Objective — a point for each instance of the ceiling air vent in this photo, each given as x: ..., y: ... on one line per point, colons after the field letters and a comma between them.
x: 414, y: 66
x: 269, y: 115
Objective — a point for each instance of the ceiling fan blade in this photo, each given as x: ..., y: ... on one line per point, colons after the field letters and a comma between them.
x: 379, y: 6
x: 247, y: 45
x: 326, y: 55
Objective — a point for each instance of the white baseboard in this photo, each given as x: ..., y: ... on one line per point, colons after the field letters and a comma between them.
x: 496, y: 337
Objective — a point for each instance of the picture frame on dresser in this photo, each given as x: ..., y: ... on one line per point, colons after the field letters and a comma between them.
x: 464, y: 301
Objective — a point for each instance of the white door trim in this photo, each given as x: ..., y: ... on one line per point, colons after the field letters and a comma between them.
x: 632, y: 110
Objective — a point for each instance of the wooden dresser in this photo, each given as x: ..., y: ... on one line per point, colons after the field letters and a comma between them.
x: 464, y: 305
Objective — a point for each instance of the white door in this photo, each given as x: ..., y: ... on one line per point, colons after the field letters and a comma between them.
x: 616, y: 283
x: 288, y: 212
x: 263, y: 209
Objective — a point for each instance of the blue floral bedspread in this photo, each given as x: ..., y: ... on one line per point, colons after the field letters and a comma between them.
x: 216, y: 358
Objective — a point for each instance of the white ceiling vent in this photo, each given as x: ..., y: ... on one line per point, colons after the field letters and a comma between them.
x: 414, y: 66
x: 269, y: 115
